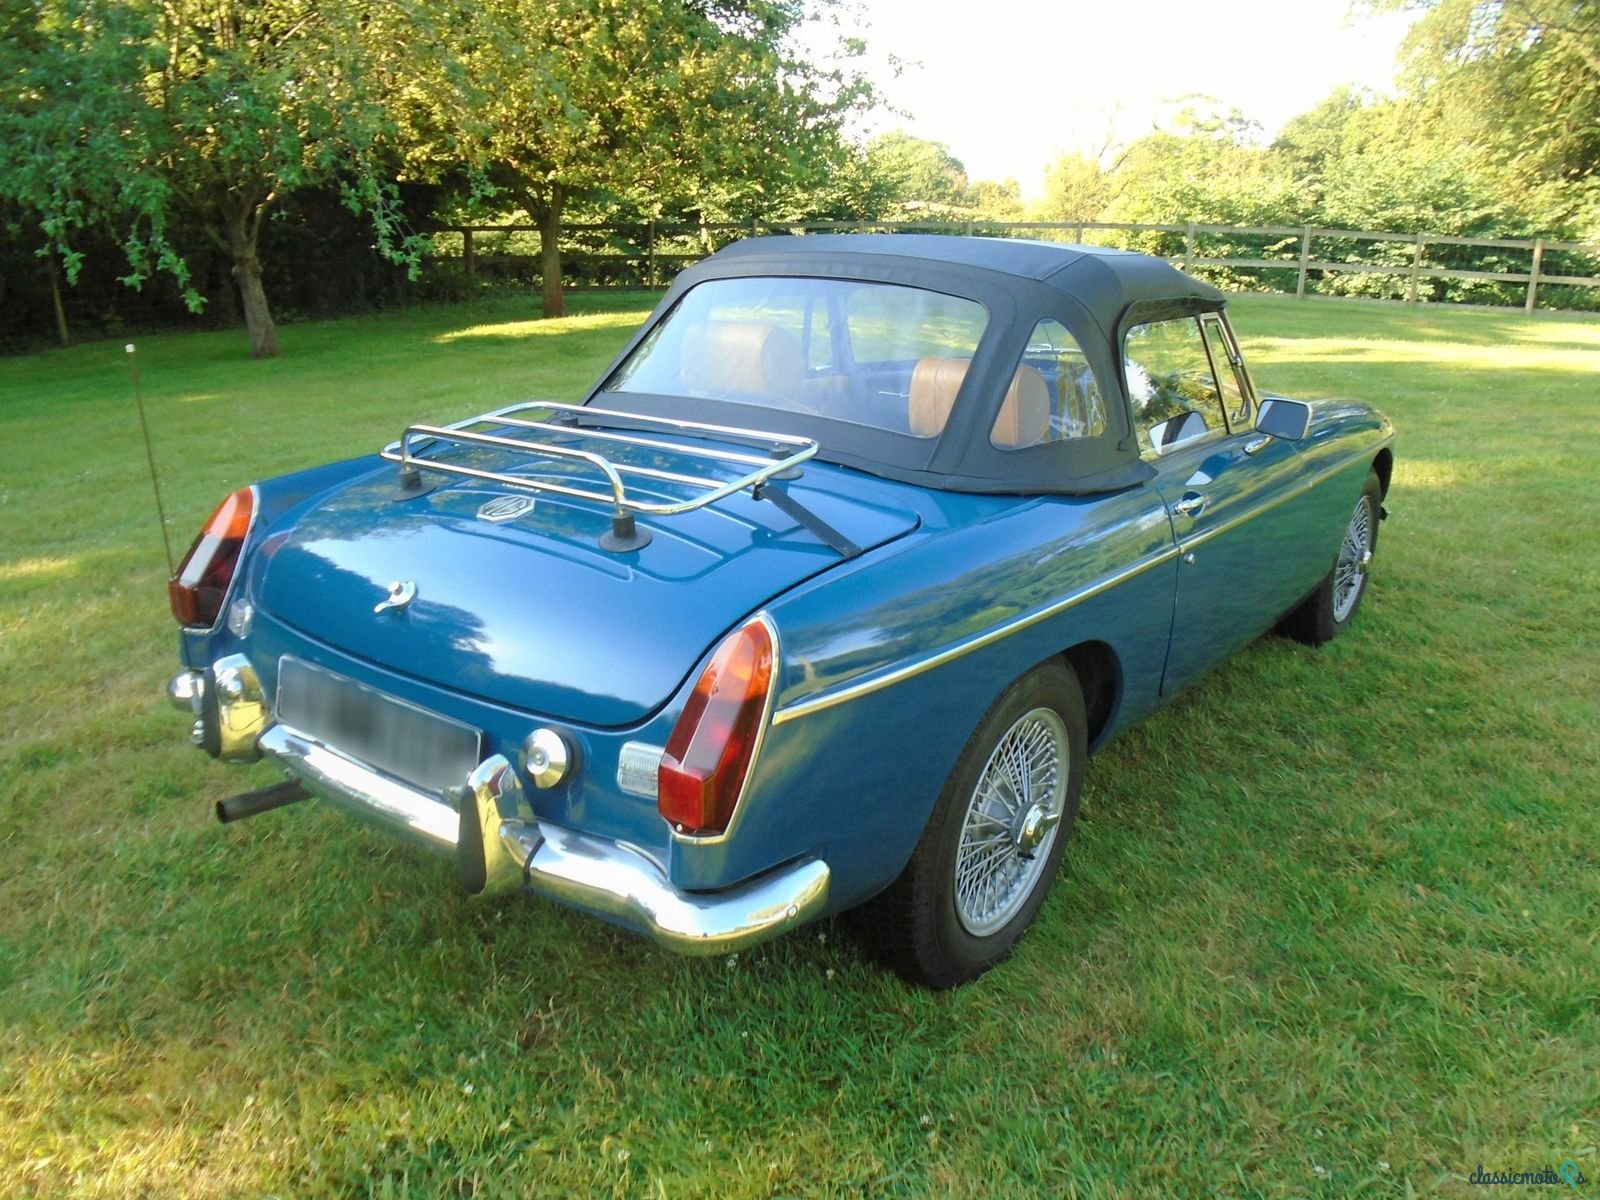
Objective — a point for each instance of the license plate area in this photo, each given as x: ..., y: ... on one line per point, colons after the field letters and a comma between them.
x: 399, y: 739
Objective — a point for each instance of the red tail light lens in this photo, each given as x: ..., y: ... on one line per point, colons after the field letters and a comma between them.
x: 708, y: 754
x: 197, y: 590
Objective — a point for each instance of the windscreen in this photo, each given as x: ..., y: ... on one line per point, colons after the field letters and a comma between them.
x: 874, y: 354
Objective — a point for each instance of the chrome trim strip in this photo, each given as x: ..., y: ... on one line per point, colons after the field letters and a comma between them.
x: 1294, y: 493
x: 598, y: 876
x: 827, y: 699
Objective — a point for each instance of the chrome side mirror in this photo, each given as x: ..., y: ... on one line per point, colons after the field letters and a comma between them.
x: 1283, y: 418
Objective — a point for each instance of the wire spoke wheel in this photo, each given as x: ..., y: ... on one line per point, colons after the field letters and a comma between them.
x: 993, y: 843
x: 1355, y: 553
x: 1011, y: 820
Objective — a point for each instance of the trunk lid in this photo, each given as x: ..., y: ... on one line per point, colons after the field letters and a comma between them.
x: 529, y: 612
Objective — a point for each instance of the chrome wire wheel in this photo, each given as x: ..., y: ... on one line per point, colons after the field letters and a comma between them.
x: 1355, y: 553
x: 1010, y: 823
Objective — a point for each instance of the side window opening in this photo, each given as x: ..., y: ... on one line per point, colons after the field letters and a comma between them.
x: 1053, y: 395
x: 1171, y: 386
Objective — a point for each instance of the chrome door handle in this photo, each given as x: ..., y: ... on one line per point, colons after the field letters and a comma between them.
x: 1192, y: 504
x: 1255, y: 444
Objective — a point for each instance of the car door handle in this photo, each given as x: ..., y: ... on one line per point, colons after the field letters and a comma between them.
x: 1255, y: 444
x: 1192, y: 505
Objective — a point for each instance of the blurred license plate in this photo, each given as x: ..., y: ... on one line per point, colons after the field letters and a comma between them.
x: 399, y: 739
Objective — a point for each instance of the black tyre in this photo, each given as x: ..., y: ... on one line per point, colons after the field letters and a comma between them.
x: 1323, y: 615
x: 985, y: 862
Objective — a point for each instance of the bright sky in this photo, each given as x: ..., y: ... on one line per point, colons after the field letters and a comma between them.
x: 1009, y: 84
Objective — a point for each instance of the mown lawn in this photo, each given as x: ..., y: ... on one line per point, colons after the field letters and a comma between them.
x: 1328, y: 926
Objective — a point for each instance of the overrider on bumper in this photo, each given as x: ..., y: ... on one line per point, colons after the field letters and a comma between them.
x: 498, y: 844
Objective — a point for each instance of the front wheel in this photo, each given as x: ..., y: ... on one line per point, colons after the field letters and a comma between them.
x: 984, y: 864
x: 1324, y: 614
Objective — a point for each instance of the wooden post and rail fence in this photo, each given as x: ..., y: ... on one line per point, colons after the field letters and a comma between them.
x: 652, y: 249
x: 1291, y: 260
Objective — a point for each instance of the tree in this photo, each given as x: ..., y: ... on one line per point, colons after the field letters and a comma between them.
x: 659, y: 102
x: 1075, y: 189
x: 1365, y: 163
x: 921, y: 173
x: 996, y: 200
x: 1522, y: 79
x: 161, y: 116
x: 1208, y: 167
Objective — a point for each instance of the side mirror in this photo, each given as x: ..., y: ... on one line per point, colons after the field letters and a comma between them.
x: 1290, y: 419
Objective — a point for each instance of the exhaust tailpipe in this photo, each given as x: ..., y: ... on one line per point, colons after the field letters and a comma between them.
x: 250, y: 804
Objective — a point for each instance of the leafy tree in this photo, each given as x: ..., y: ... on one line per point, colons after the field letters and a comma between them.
x: 658, y: 103
x: 1076, y: 188
x: 1521, y: 79
x: 920, y: 173
x: 156, y: 116
x: 1370, y: 164
x: 1207, y: 167
x: 996, y: 200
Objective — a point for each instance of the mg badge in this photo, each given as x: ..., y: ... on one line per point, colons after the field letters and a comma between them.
x: 505, y: 508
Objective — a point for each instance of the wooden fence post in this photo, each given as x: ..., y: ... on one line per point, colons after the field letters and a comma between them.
x: 1188, y: 247
x: 1416, y: 271
x: 1077, y: 233
x: 1533, y: 276
x: 650, y: 255
x: 467, y: 260
x: 1305, y: 263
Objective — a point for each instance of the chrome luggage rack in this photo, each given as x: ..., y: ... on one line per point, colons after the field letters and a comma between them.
x: 784, y: 454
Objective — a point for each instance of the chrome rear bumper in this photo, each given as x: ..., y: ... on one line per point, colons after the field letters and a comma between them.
x: 609, y: 879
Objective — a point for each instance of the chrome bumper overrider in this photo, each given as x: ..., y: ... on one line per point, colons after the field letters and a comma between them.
x: 500, y: 847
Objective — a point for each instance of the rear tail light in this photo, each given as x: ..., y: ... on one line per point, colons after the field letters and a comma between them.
x: 197, y: 590
x: 709, y: 752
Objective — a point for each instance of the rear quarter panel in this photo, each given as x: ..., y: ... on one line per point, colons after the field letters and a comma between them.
x: 888, y: 666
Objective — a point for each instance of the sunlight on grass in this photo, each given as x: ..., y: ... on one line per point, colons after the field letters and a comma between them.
x: 1454, y: 355
x: 1331, y: 909
x: 560, y: 327
x: 1425, y: 473
x: 38, y: 568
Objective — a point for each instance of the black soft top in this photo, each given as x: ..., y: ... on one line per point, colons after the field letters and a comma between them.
x: 1095, y: 292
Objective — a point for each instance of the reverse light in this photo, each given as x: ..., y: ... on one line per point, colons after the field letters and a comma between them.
x: 197, y: 590
x: 709, y: 752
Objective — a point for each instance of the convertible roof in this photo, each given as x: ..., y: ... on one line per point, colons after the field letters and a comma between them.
x: 1103, y: 280
x: 1096, y: 292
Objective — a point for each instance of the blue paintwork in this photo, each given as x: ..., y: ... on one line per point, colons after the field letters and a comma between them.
x: 518, y: 613
x: 528, y: 624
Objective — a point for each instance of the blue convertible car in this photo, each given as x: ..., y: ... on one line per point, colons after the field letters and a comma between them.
x: 820, y: 598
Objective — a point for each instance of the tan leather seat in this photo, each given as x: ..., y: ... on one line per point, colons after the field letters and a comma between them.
x: 1024, y: 418
x: 741, y: 358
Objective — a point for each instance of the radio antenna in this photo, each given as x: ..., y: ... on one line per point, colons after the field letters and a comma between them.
x: 149, y: 454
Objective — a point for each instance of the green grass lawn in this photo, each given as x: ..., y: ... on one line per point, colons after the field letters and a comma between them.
x: 1328, y: 926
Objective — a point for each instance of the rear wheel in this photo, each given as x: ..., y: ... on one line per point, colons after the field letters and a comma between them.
x: 1324, y: 614
x: 985, y: 862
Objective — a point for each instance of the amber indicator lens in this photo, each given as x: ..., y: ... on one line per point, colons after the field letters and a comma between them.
x: 196, y: 591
